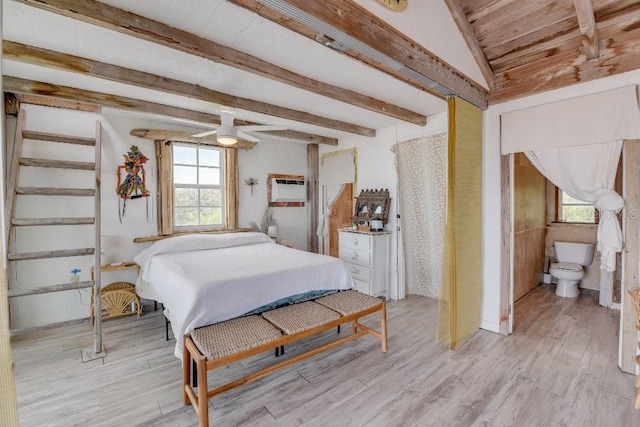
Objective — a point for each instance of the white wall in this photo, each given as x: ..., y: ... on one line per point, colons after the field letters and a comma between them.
x: 265, y: 158
x: 62, y: 306
x: 491, y: 181
x: 376, y: 169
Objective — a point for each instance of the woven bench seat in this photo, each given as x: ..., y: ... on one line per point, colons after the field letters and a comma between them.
x: 233, y: 336
x: 301, y: 317
x: 349, y: 302
x: 230, y: 341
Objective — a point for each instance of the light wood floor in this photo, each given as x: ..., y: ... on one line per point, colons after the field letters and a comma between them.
x: 557, y: 369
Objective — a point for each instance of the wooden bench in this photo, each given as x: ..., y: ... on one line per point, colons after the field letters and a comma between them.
x: 227, y: 342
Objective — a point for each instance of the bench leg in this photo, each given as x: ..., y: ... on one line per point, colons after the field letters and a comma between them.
x: 338, y: 328
x: 186, y: 373
x: 279, y: 351
x: 203, y: 401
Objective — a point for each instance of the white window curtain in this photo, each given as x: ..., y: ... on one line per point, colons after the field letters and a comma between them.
x: 422, y: 178
x: 590, y: 119
x: 330, y: 194
x: 588, y: 173
x: 336, y: 169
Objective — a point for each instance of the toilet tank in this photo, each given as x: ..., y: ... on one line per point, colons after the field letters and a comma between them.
x: 578, y: 253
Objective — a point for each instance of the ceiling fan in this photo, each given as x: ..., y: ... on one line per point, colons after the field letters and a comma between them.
x: 228, y: 134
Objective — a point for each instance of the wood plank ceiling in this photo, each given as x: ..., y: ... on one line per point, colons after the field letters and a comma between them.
x: 535, y: 46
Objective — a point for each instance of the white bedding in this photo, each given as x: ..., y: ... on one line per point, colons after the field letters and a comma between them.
x: 204, y: 279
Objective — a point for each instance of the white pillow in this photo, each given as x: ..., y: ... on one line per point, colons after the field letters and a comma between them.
x: 198, y: 242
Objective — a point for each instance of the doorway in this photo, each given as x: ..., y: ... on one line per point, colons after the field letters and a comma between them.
x: 341, y: 214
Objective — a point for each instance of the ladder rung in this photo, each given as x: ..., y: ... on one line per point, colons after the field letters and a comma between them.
x: 51, y: 254
x: 60, y: 164
x: 53, y: 221
x: 54, y: 137
x: 12, y: 293
x: 42, y: 191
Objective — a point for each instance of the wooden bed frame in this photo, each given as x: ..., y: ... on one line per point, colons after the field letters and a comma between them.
x: 192, y: 355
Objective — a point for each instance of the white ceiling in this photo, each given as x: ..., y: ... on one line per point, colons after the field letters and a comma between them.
x: 427, y: 22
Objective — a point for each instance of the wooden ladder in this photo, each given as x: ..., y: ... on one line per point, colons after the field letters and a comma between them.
x: 13, y: 191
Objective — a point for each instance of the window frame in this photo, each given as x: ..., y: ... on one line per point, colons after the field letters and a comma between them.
x: 560, y: 205
x: 165, y: 193
x: 197, y: 186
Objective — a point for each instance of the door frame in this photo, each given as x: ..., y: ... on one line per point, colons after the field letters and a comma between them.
x: 325, y: 241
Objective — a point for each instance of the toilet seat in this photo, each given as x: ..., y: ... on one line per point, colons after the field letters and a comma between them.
x: 567, y: 266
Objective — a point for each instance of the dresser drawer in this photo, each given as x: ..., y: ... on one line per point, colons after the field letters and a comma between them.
x: 355, y: 240
x: 355, y: 256
x: 360, y: 286
x: 360, y: 272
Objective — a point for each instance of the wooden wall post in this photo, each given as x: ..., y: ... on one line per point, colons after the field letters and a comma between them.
x: 505, y: 244
x: 631, y: 252
x: 313, y: 166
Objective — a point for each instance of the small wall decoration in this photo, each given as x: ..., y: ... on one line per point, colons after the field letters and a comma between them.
x: 133, y: 186
x: 251, y: 182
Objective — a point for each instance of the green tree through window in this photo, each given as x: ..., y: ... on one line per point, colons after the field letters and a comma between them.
x: 574, y: 210
x: 198, y: 186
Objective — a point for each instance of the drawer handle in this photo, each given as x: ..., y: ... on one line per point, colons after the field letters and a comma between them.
x: 355, y: 240
x: 355, y: 270
x: 355, y: 255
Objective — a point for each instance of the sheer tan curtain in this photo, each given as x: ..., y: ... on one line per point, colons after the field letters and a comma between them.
x: 422, y: 177
x: 460, y: 299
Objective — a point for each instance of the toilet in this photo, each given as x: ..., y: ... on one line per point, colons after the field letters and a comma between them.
x: 570, y: 257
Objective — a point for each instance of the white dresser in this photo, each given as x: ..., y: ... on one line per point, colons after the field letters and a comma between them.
x: 367, y: 256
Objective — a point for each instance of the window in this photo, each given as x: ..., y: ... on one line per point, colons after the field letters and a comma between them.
x: 574, y: 210
x: 198, y: 190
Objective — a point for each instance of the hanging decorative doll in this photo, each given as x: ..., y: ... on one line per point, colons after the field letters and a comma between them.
x: 133, y: 186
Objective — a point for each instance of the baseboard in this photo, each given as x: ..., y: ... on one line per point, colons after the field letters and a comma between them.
x: 490, y: 326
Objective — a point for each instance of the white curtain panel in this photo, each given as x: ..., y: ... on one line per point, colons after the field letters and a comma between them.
x: 422, y: 178
x: 590, y: 119
x: 337, y: 168
x: 330, y: 194
x: 588, y: 173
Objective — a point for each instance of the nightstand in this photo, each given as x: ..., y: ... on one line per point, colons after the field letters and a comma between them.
x: 366, y: 254
x: 118, y: 298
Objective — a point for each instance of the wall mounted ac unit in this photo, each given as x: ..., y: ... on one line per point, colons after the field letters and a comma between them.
x: 288, y: 190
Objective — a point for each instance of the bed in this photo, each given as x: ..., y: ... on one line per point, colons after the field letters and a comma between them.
x: 204, y: 279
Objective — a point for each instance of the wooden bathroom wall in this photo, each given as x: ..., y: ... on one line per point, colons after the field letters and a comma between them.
x: 529, y: 226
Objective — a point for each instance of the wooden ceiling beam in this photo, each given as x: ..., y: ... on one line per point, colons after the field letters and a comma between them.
x: 15, y: 84
x: 61, y: 61
x: 356, y: 21
x: 470, y: 39
x: 58, y: 103
x: 587, y: 23
x: 618, y: 54
x: 138, y: 26
x: 608, y: 26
